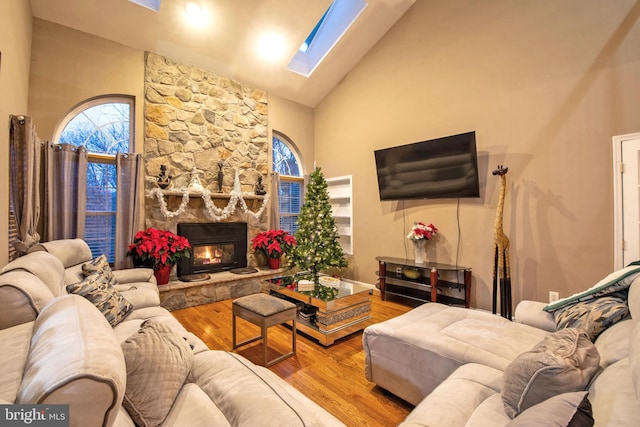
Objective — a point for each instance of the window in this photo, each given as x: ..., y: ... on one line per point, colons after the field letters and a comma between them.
x: 290, y: 196
x: 103, y: 126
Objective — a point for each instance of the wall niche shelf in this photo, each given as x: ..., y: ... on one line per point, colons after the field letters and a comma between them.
x: 341, y: 200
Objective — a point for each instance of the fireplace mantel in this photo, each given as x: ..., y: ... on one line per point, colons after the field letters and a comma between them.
x: 234, y: 200
x: 180, y: 193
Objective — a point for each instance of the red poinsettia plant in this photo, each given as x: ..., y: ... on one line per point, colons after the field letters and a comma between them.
x: 154, y: 248
x: 273, y: 243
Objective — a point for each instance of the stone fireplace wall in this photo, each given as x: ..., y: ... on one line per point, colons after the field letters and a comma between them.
x: 195, y: 119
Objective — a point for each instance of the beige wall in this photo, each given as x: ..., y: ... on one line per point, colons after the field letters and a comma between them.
x: 70, y: 67
x: 296, y: 122
x: 15, y: 45
x: 545, y: 85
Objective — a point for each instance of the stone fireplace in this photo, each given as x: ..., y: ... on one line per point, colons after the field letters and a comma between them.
x: 216, y: 247
x: 202, y: 124
x: 199, y: 122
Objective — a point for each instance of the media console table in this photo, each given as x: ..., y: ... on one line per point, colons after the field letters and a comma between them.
x: 421, y: 282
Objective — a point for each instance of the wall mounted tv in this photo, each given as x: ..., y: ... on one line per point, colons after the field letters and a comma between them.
x: 440, y: 168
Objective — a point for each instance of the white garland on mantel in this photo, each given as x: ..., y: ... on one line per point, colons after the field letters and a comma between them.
x: 218, y: 214
x: 214, y: 212
x: 163, y: 205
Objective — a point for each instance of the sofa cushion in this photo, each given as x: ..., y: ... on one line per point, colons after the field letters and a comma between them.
x: 158, y: 362
x: 613, y: 344
x: 69, y: 251
x: 22, y: 297
x: 634, y: 358
x: 613, y: 398
x: 75, y: 359
x: 97, y: 289
x: 193, y: 408
x: 563, y: 410
x: 13, y: 354
x: 44, y: 266
x: 457, y: 400
x: 562, y: 362
x: 594, y: 316
x: 251, y: 395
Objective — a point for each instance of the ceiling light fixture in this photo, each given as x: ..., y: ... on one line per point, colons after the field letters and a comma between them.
x: 271, y: 46
x: 195, y: 14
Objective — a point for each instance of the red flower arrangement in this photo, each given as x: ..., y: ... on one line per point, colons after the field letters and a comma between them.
x: 421, y: 231
x: 273, y: 243
x: 155, y: 248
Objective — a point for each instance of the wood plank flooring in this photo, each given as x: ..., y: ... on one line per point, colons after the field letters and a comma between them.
x: 333, y: 376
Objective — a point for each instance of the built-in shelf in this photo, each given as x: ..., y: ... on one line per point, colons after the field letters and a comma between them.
x: 341, y: 199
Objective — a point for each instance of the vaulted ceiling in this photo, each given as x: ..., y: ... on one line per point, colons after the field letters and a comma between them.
x: 226, y: 43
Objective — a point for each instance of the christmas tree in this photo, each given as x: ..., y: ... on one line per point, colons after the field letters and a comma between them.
x: 318, y: 247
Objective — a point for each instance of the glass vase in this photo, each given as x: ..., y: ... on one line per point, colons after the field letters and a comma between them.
x: 418, y: 251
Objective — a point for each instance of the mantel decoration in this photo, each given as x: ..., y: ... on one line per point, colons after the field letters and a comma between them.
x: 160, y: 250
x: 318, y: 245
x: 213, y: 212
x: 420, y: 233
x: 164, y: 179
x: 274, y: 244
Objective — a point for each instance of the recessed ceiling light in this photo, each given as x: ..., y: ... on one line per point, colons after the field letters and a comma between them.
x: 195, y: 14
x: 271, y: 46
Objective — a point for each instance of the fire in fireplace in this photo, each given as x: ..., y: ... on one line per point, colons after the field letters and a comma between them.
x: 217, y: 246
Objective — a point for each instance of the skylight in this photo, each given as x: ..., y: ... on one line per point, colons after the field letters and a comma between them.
x: 149, y: 4
x: 312, y: 34
x: 325, y: 34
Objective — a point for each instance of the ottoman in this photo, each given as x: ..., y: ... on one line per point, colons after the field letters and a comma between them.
x: 264, y: 311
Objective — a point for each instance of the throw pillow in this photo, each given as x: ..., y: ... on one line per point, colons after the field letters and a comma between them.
x: 614, y: 282
x: 562, y: 362
x: 97, y: 289
x: 158, y: 362
x: 99, y: 265
x: 563, y: 410
x: 594, y: 316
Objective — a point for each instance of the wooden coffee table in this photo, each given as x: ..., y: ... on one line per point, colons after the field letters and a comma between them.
x: 349, y: 312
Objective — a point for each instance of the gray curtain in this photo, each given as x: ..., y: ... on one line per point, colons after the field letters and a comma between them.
x: 66, y: 190
x: 24, y: 172
x: 129, y: 187
x: 274, y: 204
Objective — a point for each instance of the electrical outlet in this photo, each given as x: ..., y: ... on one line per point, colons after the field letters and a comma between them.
x: 553, y: 296
x: 399, y: 271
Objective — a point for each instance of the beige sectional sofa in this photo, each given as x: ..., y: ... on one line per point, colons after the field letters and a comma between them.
x: 450, y: 362
x: 60, y: 348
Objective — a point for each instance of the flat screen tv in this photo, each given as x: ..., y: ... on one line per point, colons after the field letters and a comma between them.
x: 439, y: 168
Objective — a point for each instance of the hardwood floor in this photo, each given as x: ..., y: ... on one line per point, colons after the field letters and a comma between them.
x: 333, y: 376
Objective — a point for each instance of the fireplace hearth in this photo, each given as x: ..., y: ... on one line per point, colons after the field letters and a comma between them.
x: 217, y: 247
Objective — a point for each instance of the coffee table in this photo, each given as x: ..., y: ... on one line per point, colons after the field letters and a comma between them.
x: 349, y: 312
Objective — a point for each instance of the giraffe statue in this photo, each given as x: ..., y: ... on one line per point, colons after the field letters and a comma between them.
x: 501, y: 273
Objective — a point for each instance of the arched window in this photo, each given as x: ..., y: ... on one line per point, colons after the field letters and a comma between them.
x: 104, y: 126
x: 286, y: 162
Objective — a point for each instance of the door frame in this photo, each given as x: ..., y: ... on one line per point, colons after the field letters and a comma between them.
x: 618, y: 207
